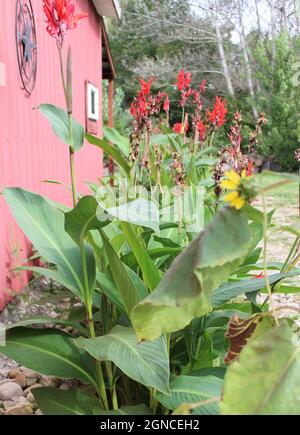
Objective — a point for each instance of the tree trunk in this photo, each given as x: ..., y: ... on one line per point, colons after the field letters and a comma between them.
x: 247, y: 60
x: 222, y: 51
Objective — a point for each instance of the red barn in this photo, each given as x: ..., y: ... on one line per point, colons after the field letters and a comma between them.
x: 29, y: 76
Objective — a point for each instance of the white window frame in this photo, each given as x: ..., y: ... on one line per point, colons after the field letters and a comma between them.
x: 93, y: 115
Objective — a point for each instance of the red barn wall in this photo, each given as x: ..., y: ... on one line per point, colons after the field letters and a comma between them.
x: 29, y: 151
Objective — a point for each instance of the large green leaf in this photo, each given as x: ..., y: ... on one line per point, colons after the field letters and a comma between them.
x: 43, y: 224
x: 71, y: 402
x: 191, y: 389
x: 122, y: 142
x: 51, y: 353
x: 265, y: 380
x: 59, y: 121
x: 127, y: 290
x: 110, y: 151
x: 185, y: 291
x: 139, y: 212
x: 147, y: 362
x: 150, y: 272
x: 44, y: 320
x: 231, y: 290
x: 83, y: 218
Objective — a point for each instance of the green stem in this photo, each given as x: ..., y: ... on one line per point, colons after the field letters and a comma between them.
x: 73, y: 177
x: 89, y: 309
x: 62, y: 72
x: 265, y: 241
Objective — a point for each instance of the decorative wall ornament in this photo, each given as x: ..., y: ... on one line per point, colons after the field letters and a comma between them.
x: 26, y: 43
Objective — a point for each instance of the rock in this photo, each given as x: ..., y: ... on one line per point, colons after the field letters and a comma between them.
x: 14, y: 372
x: 30, y: 374
x: 38, y: 412
x: 4, y: 373
x: 2, y: 412
x: 31, y: 382
x: 30, y: 398
x: 10, y: 390
x: 48, y: 381
x: 32, y: 387
x: 20, y: 409
x: 21, y: 380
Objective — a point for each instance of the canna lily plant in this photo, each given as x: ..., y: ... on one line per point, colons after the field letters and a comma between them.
x: 159, y: 330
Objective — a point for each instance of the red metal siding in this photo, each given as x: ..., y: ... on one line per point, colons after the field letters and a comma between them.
x: 29, y: 152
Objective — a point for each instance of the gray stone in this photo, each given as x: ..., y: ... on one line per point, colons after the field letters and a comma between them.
x: 48, y: 381
x: 10, y: 390
x: 20, y: 409
x: 30, y: 374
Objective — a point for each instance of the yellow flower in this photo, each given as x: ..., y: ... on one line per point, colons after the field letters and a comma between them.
x: 234, y: 183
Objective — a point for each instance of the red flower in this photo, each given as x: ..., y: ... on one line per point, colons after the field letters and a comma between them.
x: 167, y: 103
x: 183, y: 80
x: 202, y: 86
x: 202, y: 131
x: 61, y: 18
x: 146, y: 86
x: 178, y: 128
x: 218, y: 115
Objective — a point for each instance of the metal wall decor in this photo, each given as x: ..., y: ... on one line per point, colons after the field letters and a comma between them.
x: 26, y: 43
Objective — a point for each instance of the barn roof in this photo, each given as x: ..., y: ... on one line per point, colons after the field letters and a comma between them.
x: 108, y: 8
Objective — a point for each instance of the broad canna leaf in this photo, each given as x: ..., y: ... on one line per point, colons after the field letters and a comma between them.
x: 150, y: 272
x: 44, y: 320
x: 43, y: 224
x: 83, y: 218
x: 51, y: 353
x: 147, y: 363
x: 71, y: 402
x: 185, y: 291
x: 124, y: 284
x: 59, y: 121
x: 122, y: 142
x: 110, y: 151
x: 266, y: 376
x: 231, y: 290
x: 192, y: 389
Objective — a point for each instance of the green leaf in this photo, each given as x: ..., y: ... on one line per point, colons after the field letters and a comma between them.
x: 123, y: 282
x: 112, y: 135
x: 268, y: 368
x: 40, y: 320
x: 70, y: 402
x: 59, y: 121
x: 110, y: 151
x: 51, y: 353
x: 43, y: 224
x: 191, y: 389
x: 150, y: 272
x: 231, y: 290
x: 147, y: 362
x: 185, y: 291
x: 83, y: 218
x: 139, y: 212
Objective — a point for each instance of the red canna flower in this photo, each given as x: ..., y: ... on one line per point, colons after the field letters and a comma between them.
x: 146, y: 86
x: 61, y: 18
x: 167, y: 103
x: 202, y: 130
x: 260, y: 276
x: 183, y: 80
x: 202, y: 86
x: 178, y: 128
x: 218, y: 115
